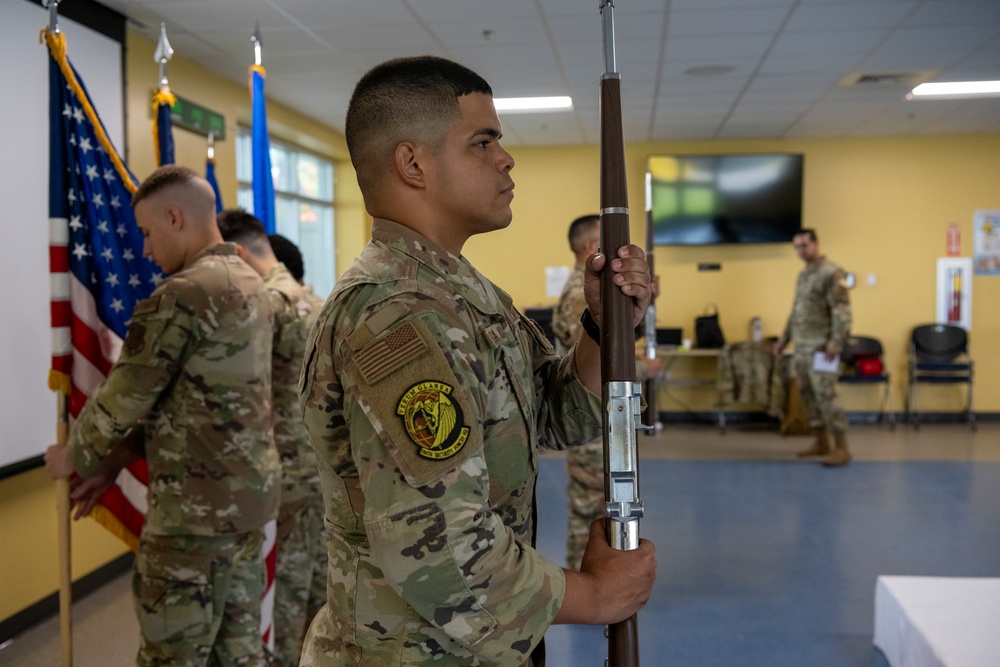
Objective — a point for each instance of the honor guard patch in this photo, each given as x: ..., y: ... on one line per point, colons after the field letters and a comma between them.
x: 433, y: 421
x: 135, y: 339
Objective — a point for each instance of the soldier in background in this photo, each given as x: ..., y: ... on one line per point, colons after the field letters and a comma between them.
x: 820, y: 322
x: 192, y: 393
x: 584, y: 464
x: 300, y: 569
x: 289, y: 254
x: 426, y: 395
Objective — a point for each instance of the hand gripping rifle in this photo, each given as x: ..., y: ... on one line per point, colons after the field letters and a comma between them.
x: 621, y: 394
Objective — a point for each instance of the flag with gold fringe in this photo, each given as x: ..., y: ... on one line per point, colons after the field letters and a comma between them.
x: 98, y: 272
x: 163, y: 126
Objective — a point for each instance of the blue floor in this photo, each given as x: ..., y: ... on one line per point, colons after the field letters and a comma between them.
x: 773, y: 564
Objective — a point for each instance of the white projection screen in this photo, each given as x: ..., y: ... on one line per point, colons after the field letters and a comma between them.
x: 27, y: 407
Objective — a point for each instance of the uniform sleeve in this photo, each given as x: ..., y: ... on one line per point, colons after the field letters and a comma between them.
x: 569, y: 414
x: 566, y: 319
x: 838, y: 300
x: 159, y: 338
x: 417, y: 443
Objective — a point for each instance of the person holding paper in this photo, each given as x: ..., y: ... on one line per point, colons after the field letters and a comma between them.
x: 819, y: 324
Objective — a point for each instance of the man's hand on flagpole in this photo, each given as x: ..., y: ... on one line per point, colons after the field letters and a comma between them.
x: 84, y: 493
x: 58, y: 462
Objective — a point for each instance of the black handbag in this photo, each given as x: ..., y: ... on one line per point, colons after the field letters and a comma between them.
x: 707, y: 332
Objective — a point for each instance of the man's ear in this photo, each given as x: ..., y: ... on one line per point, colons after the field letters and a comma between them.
x: 175, y: 218
x: 409, y: 164
x: 241, y: 251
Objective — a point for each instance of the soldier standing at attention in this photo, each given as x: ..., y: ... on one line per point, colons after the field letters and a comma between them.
x: 426, y: 395
x: 820, y: 322
x: 192, y: 391
x: 300, y: 570
x: 584, y: 464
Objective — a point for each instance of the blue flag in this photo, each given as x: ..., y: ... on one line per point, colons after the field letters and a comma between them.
x: 163, y: 127
x: 210, y: 177
x: 260, y: 152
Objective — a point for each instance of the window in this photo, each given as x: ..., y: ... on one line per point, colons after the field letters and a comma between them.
x: 303, y: 204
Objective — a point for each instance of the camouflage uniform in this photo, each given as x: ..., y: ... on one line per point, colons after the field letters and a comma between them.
x: 584, y: 464
x: 300, y: 568
x: 315, y: 303
x: 820, y: 319
x: 425, y: 394
x: 195, y: 367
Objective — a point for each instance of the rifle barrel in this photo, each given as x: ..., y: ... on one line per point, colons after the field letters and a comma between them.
x: 621, y: 394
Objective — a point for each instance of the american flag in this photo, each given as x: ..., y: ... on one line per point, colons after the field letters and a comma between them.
x: 98, y: 274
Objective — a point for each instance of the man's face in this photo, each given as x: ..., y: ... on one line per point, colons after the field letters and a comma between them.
x: 159, y: 239
x: 805, y: 247
x: 470, y: 171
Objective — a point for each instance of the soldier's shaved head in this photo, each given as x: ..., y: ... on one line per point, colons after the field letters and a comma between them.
x: 179, y: 186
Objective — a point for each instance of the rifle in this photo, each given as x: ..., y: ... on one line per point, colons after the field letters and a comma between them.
x: 651, y: 416
x: 621, y: 394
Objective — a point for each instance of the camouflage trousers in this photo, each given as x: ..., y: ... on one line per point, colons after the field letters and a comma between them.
x: 198, y: 600
x: 299, y: 580
x: 585, y: 466
x: 819, y: 394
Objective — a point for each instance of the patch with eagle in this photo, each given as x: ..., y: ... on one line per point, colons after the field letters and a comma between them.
x: 433, y: 420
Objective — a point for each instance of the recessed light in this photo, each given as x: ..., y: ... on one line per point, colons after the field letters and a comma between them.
x: 532, y: 104
x: 955, y: 90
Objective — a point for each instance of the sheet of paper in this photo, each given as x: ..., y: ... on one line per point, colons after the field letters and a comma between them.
x: 821, y: 364
x: 555, y: 280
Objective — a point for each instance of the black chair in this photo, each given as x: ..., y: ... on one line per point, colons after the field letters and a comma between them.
x: 864, y: 347
x: 939, y: 354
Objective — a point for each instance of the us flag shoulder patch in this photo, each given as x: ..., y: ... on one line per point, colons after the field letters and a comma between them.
x: 389, y: 352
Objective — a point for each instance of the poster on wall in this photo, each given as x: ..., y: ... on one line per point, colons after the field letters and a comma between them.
x: 954, y: 291
x: 986, y: 243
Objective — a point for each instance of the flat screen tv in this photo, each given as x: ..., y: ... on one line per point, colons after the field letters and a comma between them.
x: 715, y: 199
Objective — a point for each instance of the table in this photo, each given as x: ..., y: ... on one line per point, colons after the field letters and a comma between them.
x: 668, y: 354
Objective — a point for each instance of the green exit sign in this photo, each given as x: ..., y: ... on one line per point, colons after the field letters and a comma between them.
x: 197, y: 118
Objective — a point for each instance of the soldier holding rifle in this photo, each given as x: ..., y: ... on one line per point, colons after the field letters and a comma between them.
x: 427, y: 394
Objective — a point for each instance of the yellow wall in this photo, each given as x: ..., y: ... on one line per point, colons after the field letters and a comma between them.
x: 29, y: 559
x: 880, y: 205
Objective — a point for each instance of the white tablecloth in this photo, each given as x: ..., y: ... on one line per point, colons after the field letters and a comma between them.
x: 938, y: 621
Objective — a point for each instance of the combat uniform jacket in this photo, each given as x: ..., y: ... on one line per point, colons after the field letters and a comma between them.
x: 299, y: 479
x: 425, y: 394
x: 195, y: 367
x: 566, y: 318
x: 821, y: 313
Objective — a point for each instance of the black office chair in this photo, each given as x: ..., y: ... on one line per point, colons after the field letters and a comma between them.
x: 862, y: 363
x: 939, y: 354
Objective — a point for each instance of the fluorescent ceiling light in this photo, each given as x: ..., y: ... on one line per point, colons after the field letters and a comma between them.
x: 530, y: 104
x: 956, y: 90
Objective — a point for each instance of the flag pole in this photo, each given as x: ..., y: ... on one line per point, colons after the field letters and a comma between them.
x: 163, y: 102
x: 65, y: 543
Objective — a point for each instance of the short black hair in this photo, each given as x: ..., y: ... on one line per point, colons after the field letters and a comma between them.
x: 288, y: 254
x: 239, y: 226
x: 404, y: 99
x: 811, y: 233
x: 581, y: 229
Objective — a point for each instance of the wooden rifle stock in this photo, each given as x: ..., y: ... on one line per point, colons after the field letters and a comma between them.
x: 620, y: 395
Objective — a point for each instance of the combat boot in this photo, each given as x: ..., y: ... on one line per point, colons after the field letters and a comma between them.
x: 821, y: 447
x: 840, y: 455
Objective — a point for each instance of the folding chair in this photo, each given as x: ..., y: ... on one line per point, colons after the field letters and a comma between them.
x: 939, y: 354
